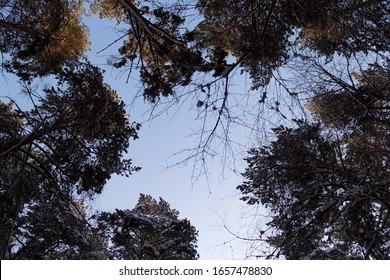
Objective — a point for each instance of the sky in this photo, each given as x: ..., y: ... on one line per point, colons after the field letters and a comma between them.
x: 211, y: 204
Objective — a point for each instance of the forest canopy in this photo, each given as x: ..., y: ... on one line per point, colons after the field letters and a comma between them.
x: 315, y: 97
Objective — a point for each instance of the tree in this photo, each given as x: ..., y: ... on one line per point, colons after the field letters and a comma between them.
x: 259, y: 35
x: 150, y: 231
x: 41, y: 36
x: 53, y: 227
x: 63, y: 149
x: 78, y: 133
x: 322, y: 199
x: 327, y: 184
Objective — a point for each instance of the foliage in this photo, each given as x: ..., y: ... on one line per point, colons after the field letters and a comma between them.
x: 150, y: 231
x: 52, y: 227
x: 70, y: 142
x: 77, y: 134
x: 259, y: 36
x: 357, y: 106
x: 154, y: 39
x: 327, y: 184
x: 41, y: 36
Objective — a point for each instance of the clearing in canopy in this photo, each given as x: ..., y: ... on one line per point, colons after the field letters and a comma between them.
x: 308, y: 82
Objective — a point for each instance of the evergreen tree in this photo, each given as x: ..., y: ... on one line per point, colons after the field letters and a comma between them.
x: 63, y: 149
x: 150, y: 231
x: 41, y: 36
x: 327, y: 184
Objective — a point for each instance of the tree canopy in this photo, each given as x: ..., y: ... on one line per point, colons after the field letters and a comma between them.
x: 41, y: 36
x: 208, y: 46
x: 327, y: 183
x: 68, y: 145
x: 258, y: 36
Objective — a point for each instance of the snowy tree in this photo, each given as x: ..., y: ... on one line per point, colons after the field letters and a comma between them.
x: 63, y: 149
x: 327, y: 183
x: 150, y: 231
